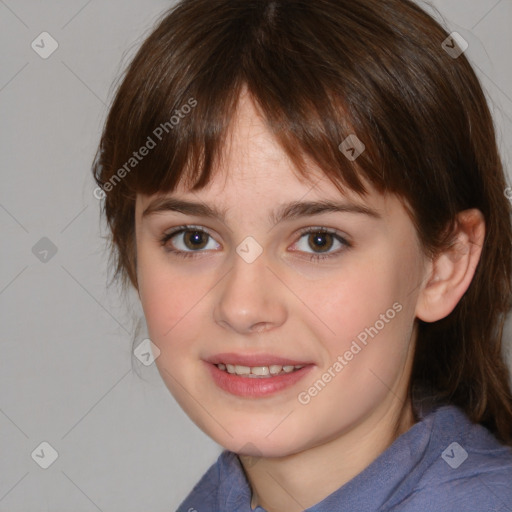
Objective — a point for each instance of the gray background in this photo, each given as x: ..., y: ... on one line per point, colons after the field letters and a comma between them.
x: 66, y: 374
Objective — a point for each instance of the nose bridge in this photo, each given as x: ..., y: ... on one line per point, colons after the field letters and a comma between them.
x: 249, y: 298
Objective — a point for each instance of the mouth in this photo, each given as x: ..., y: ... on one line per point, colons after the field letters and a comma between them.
x: 258, y: 372
x: 256, y: 375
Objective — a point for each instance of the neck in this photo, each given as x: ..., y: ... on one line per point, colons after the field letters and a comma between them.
x: 301, y: 480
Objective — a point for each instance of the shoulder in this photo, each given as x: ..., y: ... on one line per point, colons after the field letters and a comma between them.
x: 464, y: 469
x: 215, y: 487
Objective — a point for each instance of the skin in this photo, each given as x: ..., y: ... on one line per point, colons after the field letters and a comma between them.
x: 285, y: 304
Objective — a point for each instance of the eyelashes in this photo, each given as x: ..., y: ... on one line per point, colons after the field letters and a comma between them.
x: 315, y: 235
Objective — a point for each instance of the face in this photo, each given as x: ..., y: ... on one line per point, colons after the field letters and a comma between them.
x: 333, y: 291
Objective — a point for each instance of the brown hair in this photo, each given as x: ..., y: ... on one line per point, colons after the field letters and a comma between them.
x: 320, y: 70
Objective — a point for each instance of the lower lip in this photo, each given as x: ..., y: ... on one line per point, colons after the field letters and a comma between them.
x: 256, y: 387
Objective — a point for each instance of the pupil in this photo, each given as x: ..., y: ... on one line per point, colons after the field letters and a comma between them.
x: 319, y: 241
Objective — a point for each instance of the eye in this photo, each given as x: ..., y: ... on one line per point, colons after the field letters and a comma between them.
x: 321, y: 240
x: 191, y: 241
x: 187, y: 240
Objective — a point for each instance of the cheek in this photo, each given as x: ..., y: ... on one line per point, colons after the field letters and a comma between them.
x: 167, y: 296
x: 172, y: 306
x: 363, y: 316
x: 353, y: 299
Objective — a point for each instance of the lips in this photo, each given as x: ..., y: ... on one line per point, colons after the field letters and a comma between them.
x: 255, y: 386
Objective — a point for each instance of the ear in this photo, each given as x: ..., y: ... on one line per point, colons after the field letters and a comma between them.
x: 452, y: 271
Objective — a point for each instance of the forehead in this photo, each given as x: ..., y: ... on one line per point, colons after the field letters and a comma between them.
x: 254, y: 172
x: 251, y: 153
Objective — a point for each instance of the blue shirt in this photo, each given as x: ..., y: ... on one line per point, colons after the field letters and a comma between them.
x: 443, y: 463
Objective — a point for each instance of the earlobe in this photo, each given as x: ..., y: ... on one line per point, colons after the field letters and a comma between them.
x: 452, y: 271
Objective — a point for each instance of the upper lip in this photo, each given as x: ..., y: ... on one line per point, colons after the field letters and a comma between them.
x: 254, y: 360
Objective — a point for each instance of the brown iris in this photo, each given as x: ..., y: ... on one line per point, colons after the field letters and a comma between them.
x: 320, y: 240
x: 195, y: 239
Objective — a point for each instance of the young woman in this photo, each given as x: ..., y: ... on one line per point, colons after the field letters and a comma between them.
x: 308, y: 197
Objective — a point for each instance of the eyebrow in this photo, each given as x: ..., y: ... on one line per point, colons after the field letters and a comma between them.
x: 289, y: 211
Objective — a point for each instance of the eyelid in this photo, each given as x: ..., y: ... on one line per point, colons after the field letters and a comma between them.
x: 324, y: 229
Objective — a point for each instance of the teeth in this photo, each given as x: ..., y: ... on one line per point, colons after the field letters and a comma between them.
x: 258, y: 371
x: 242, y: 370
x: 275, y: 369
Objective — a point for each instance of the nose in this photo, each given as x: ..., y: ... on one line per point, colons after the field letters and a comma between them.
x: 250, y: 298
